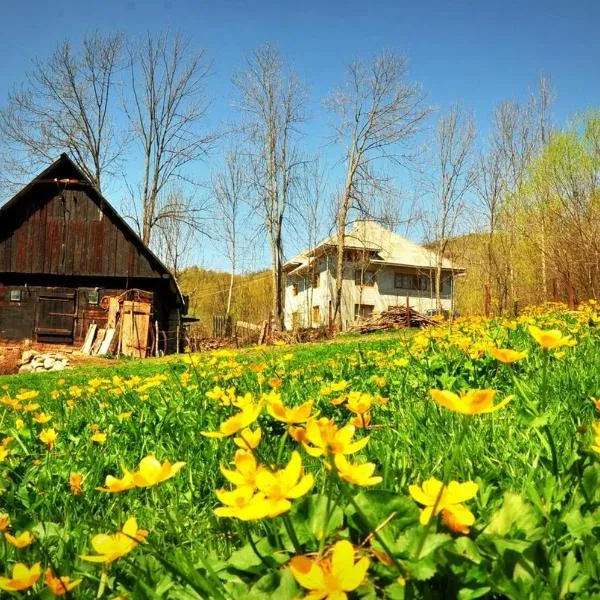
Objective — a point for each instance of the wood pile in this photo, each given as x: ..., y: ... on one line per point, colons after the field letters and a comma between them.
x: 396, y: 317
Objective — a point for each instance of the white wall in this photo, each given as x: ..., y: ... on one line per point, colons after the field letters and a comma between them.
x: 382, y: 295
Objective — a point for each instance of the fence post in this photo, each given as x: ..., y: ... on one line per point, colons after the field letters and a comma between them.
x: 177, y: 340
x: 408, y: 311
x: 156, y: 338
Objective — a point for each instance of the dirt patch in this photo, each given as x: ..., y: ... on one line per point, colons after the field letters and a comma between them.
x: 11, y: 352
x: 9, y: 360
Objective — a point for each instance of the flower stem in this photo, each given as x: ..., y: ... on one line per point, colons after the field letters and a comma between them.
x: 289, y: 527
x: 447, y: 472
x: 367, y: 524
x: 253, y: 545
x: 330, y: 477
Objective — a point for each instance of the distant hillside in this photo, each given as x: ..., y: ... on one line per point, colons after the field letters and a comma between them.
x: 208, y: 292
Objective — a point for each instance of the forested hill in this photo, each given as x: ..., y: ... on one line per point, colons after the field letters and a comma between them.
x: 208, y: 291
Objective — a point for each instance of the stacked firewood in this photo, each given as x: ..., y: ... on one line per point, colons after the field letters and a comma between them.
x: 396, y: 317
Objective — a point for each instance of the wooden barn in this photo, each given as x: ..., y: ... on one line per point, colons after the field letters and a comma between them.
x: 64, y: 252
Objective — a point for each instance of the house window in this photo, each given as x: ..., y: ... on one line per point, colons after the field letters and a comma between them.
x: 363, y: 311
x: 15, y: 295
x: 411, y: 281
x: 316, y: 280
x: 294, y: 289
x: 316, y: 315
x: 368, y: 278
x: 93, y: 297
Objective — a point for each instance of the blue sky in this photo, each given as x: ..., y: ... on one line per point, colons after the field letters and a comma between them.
x: 477, y: 53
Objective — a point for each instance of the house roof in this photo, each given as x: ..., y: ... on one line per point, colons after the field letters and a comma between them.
x: 386, y: 247
x: 64, y: 164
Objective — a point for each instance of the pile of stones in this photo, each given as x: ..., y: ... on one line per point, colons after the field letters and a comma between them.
x: 32, y: 361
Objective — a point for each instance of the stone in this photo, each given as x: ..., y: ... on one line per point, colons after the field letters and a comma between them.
x: 49, y: 362
x: 25, y: 368
x: 27, y: 356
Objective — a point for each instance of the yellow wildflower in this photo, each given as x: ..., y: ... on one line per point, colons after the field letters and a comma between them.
x: 150, y: 472
x: 551, y: 338
x: 99, y: 437
x: 297, y: 414
x: 42, y: 418
x: 357, y: 474
x: 248, y: 439
x: 48, y: 437
x: 110, y: 547
x: 284, y: 485
x: 23, y: 577
x: 323, y: 437
x: 333, y: 577
x: 20, y: 541
x: 507, y: 356
x: 240, y: 421
x: 59, y: 586
x: 245, y: 472
x: 472, y: 402
x: 4, y: 522
x: 456, y: 516
x: 75, y: 481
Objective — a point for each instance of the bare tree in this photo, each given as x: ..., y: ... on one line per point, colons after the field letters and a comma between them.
x: 378, y: 112
x: 453, y: 178
x: 67, y: 104
x: 174, y: 235
x: 272, y: 103
x: 229, y: 188
x: 169, y: 107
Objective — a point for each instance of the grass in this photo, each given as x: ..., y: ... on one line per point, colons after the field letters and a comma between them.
x: 160, y: 407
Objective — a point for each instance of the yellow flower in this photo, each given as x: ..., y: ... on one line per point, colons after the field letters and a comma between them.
x: 456, y: 516
x: 248, y: 439
x: 20, y: 541
x: 4, y: 452
x: 48, y: 437
x: 506, y: 355
x: 241, y: 503
x: 333, y: 577
x: 22, y: 578
x: 472, y: 402
x: 150, y: 472
x: 323, y: 437
x: 75, y: 481
x: 124, y: 416
x: 4, y: 522
x: 42, y: 418
x: 59, y: 586
x: 245, y: 472
x: 282, y: 486
x: 99, y: 438
x: 114, y: 485
x: 240, y: 421
x: 361, y: 421
x: 296, y: 414
x: 110, y: 547
x: 551, y: 338
x: 19, y: 424
x: 359, y: 403
x: 31, y: 407
x: 357, y: 474
x: 596, y: 446
x: 25, y: 395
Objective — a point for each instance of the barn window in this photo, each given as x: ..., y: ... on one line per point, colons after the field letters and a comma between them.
x: 93, y: 297
x: 15, y: 295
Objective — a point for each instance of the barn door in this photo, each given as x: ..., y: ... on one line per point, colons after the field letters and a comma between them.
x: 56, y: 318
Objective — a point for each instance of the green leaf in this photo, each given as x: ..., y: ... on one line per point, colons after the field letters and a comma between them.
x: 317, y: 516
x: 470, y: 594
x: 395, y: 591
x: 514, y: 513
x: 577, y: 524
x: 591, y: 482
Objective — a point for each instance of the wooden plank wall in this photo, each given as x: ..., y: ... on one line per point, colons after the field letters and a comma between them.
x: 66, y: 233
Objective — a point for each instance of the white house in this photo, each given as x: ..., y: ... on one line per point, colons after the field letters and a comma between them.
x: 381, y: 269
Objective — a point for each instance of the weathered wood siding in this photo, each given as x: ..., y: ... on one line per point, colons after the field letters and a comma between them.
x: 67, y: 233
